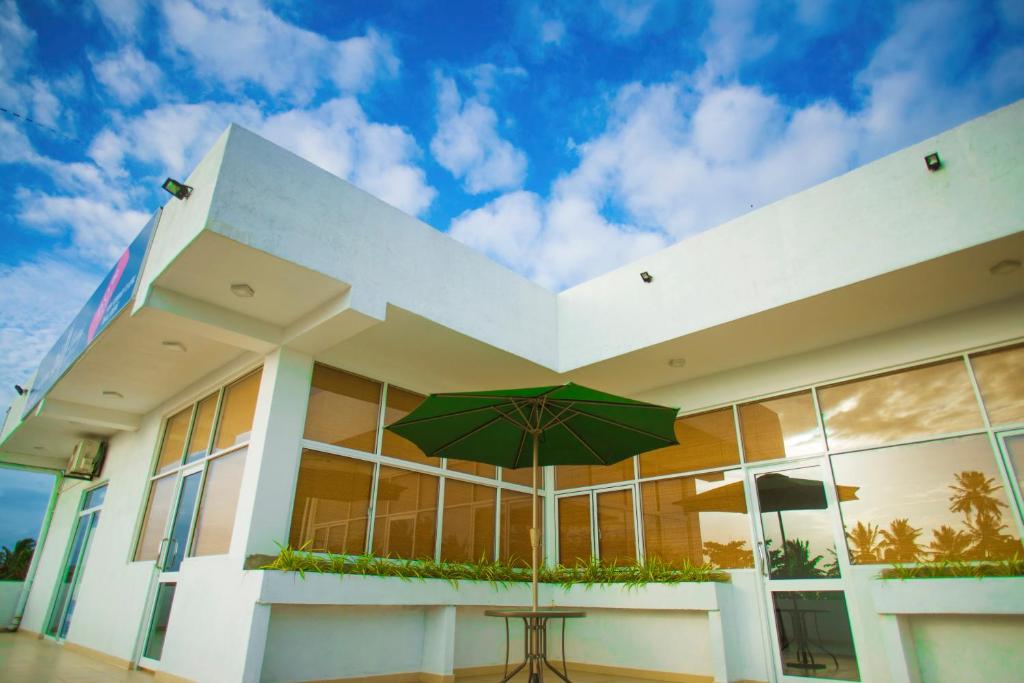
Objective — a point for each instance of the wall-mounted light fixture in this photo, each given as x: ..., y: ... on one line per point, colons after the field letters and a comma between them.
x: 933, y: 162
x: 112, y: 394
x: 169, y: 345
x: 1005, y: 267
x: 20, y: 389
x: 179, y: 190
x: 646, y: 277
x: 242, y: 290
x: 677, y: 362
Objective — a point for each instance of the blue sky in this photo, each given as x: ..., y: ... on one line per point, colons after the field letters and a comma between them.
x: 562, y: 138
x: 24, y: 496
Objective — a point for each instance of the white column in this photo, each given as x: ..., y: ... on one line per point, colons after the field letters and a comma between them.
x: 438, y: 658
x: 899, y: 648
x: 716, y: 640
x: 550, y: 530
x: 272, y: 463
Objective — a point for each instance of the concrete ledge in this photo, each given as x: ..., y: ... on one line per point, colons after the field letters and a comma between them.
x: 989, y: 595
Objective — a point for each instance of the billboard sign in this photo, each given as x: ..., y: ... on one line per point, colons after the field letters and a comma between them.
x: 115, y: 292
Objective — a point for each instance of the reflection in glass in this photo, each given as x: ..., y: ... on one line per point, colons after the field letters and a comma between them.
x: 515, y: 522
x: 616, y: 530
x: 467, y: 529
x: 158, y: 625
x: 343, y: 409
x: 399, y: 404
x: 480, y: 469
x: 405, y: 524
x: 814, y: 635
x: 523, y: 476
x: 1000, y: 376
x: 199, y: 441
x: 63, y: 603
x: 921, y: 401
x: 237, y: 411
x: 217, y: 506
x: 572, y: 476
x: 940, y: 500
x: 173, y: 446
x: 1015, y: 450
x: 705, y: 440
x: 574, y: 544
x: 795, y: 520
x: 160, y: 495
x: 95, y: 497
x: 182, y: 523
x: 332, y: 501
x: 780, y: 427
x: 699, y: 519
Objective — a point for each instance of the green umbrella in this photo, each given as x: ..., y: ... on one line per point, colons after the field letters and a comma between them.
x: 561, y: 425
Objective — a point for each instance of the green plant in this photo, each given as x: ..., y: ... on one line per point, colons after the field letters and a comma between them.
x: 498, y: 573
x: 14, y: 563
x: 956, y: 569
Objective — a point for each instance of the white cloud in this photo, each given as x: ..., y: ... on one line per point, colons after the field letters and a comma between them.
x: 32, y: 97
x: 468, y: 145
x: 506, y: 229
x: 337, y: 136
x: 121, y: 17
x: 127, y: 74
x: 731, y: 39
x: 629, y: 16
x: 99, y: 230
x: 239, y: 43
x: 57, y: 288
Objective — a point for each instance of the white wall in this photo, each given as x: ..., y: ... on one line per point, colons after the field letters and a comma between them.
x: 969, y: 649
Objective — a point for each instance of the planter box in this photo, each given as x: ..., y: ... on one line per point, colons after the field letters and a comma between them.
x: 988, y: 595
x: 332, y: 589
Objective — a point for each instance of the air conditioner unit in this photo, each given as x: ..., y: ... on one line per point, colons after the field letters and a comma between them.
x: 86, y: 460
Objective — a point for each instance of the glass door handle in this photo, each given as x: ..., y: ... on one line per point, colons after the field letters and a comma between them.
x: 161, y: 556
x: 764, y: 557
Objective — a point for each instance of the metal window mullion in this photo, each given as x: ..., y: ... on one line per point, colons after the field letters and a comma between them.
x: 378, y: 443
x: 976, y: 388
x: 638, y: 530
x: 215, y: 426
x: 196, y: 504
x: 371, y: 511
x: 497, y: 523
x: 440, y: 519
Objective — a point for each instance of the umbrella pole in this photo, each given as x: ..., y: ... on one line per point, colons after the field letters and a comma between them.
x: 534, y: 531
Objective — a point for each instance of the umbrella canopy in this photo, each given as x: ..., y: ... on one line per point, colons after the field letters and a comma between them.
x: 575, y: 426
x: 566, y: 424
x: 775, y: 493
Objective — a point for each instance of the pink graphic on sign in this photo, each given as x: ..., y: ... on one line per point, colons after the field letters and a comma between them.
x: 115, y: 277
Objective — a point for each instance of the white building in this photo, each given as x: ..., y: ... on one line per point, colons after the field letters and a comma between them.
x: 862, y: 338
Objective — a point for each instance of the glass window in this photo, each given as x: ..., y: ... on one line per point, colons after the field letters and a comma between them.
x: 616, y: 530
x: 1015, y: 449
x: 574, y: 544
x: 523, y: 476
x: 814, y: 637
x: 933, y: 399
x: 467, y: 530
x: 572, y: 476
x: 160, y: 495
x: 399, y: 404
x: 798, y: 536
x: 94, y: 497
x: 332, y: 501
x: 780, y: 427
x: 237, y: 411
x: 343, y: 409
x: 173, y: 446
x: 217, y: 506
x: 516, y: 518
x: 702, y: 518
x: 939, y: 500
x: 181, y: 525
x: 705, y: 440
x: 158, y: 624
x: 480, y: 469
x: 405, y: 524
x: 1000, y: 376
x: 201, y: 429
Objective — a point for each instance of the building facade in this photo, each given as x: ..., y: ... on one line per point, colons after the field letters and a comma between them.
x: 849, y: 364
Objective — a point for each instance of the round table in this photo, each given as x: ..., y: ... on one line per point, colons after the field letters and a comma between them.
x: 535, y: 639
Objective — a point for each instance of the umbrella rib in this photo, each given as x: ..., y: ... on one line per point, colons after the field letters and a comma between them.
x: 420, y: 420
x: 586, y: 445
x: 557, y: 419
x: 463, y: 437
x: 659, y: 437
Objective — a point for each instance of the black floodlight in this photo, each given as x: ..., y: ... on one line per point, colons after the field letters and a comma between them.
x: 646, y: 277
x: 933, y: 162
x: 19, y: 389
x: 179, y: 190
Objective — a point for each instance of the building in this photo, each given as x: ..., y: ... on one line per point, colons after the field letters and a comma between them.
x: 856, y: 347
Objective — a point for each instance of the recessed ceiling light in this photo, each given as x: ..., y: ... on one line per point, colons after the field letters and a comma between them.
x: 170, y: 345
x: 112, y: 394
x: 676, y: 362
x: 1005, y: 266
x: 240, y: 289
x: 647, y: 277
x: 39, y: 448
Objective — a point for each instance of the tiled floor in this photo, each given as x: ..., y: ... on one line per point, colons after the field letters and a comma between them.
x: 30, y: 660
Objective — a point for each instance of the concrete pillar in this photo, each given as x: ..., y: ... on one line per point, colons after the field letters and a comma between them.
x: 265, y: 498
x: 716, y: 640
x: 900, y: 650
x: 438, y: 659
